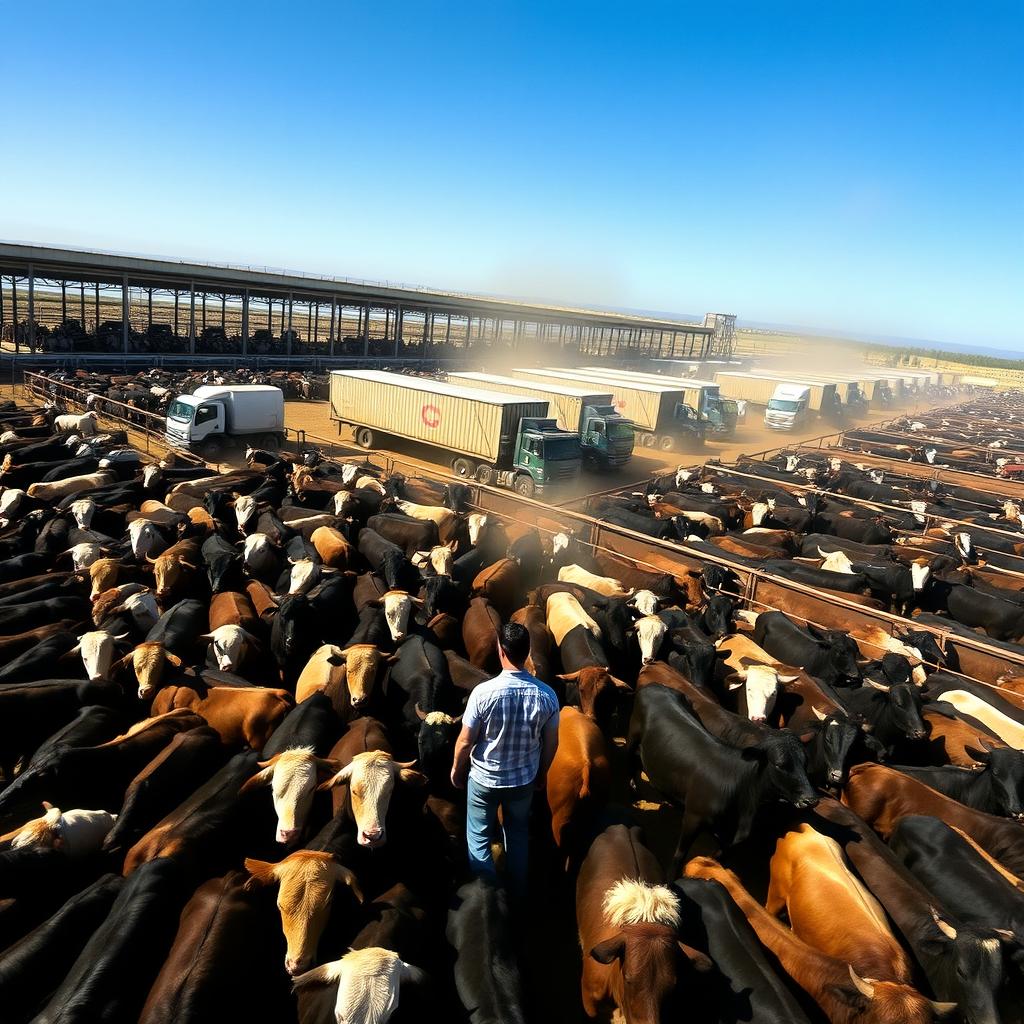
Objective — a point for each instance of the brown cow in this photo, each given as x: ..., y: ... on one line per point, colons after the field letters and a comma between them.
x: 578, y: 782
x: 173, y: 570
x: 539, y: 661
x: 830, y: 909
x: 333, y: 548
x: 595, y: 686
x: 229, y: 608
x: 882, y: 796
x: 307, y: 880
x: 365, y: 784
x: 950, y: 739
x: 242, y: 715
x: 502, y: 585
x: 447, y: 631
x: 263, y: 601
x: 844, y: 996
x: 17, y: 643
x: 480, y: 627
x: 628, y: 927
x: 747, y: 548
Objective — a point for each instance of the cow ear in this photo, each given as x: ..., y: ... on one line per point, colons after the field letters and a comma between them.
x: 412, y: 777
x: 610, y: 950
x: 261, y: 778
x: 734, y: 683
x: 261, y: 872
x: 620, y: 683
x: 698, y: 960
x: 336, y: 659
x: 173, y: 659
x: 336, y: 780
x: 347, y: 877
x: 327, y: 766
x: 570, y: 677
x: 978, y: 755
x: 821, y: 634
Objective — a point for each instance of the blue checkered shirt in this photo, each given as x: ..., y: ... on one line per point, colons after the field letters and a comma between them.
x: 510, y: 714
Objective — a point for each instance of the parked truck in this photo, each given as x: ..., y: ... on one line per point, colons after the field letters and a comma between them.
x: 787, y: 404
x: 848, y: 386
x: 703, y: 395
x: 659, y: 412
x: 215, y: 418
x: 606, y: 437
x: 496, y: 438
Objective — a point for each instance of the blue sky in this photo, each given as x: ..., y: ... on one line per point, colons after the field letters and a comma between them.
x: 857, y: 166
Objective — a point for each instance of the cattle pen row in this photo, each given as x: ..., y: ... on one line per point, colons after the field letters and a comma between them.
x: 761, y: 590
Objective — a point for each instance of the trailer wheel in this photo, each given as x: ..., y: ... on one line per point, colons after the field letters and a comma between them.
x: 485, y: 473
x: 647, y: 440
x: 463, y: 468
x: 525, y: 486
x: 667, y: 443
x: 364, y: 437
x: 269, y: 442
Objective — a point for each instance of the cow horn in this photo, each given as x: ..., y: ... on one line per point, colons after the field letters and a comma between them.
x: 420, y: 713
x: 820, y: 715
x: 405, y: 765
x: 863, y: 985
x: 151, y: 560
x: 944, y: 926
x: 876, y: 685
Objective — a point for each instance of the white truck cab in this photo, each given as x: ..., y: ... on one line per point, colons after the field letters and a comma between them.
x: 788, y: 407
x: 214, y: 417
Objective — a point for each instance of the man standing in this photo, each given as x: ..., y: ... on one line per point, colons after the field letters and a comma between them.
x: 508, y: 740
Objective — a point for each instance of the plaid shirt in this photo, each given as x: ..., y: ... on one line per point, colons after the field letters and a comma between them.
x: 510, y: 714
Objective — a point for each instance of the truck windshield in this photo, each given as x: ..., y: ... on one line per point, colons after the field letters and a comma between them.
x: 619, y: 429
x: 783, y: 405
x: 179, y: 411
x: 558, y: 448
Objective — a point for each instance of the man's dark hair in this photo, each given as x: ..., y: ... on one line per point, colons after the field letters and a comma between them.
x: 515, y: 642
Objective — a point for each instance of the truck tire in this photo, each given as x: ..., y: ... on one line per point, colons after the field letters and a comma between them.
x: 485, y: 474
x: 462, y: 468
x: 525, y: 486
x: 647, y: 440
x: 268, y: 442
x: 667, y: 443
x: 213, y: 450
x: 364, y: 437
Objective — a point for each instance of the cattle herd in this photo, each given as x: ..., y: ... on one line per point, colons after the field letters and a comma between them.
x: 229, y: 703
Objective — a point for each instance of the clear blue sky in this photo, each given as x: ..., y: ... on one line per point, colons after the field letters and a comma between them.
x: 854, y: 165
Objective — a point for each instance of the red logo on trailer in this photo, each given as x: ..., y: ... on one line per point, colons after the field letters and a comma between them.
x: 431, y: 415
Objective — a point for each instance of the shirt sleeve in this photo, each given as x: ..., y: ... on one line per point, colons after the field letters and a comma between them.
x: 552, y: 707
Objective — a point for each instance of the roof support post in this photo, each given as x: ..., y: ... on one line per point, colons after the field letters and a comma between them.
x: 366, y: 330
x: 330, y: 339
x: 288, y: 350
x: 399, y: 316
x: 31, y: 308
x: 192, y: 317
x: 245, y: 321
x: 126, y: 312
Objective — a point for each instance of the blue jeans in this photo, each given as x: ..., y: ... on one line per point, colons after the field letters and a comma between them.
x: 482, y: 805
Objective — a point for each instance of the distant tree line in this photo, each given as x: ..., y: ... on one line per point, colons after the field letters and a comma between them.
x: 898, y: 356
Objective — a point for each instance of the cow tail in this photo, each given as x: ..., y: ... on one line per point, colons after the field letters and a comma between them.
x: 585, y: 781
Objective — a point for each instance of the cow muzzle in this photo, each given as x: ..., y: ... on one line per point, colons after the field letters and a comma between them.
x: 296, y: 966
x: 835, y: 776
x: 372, y: 837
x: 807, y: 801
x: 287, y: 835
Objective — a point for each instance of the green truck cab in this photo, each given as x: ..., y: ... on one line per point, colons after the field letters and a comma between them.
x: 545, y: 456
x: 606, y: 438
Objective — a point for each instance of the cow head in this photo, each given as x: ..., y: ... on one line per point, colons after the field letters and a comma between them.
x: 292, y: 629
x: 650, y: 633
x: 145, y: 538
x: 842, y: 652
x: 149, y: 661
x: 439, y: 558
x: 904, y: 707
x: 83, y: 555
x: 1005, y: 766
x: 475, y: 523
x: 151, y: 476
x: 782, y: 763
x: 293, y: 776
x: 97, y: 649
x: 647, y: 950
x: 760, y: 685
x: 363, y: 664
x: 246, y: 509
x: 717, y: 618
x: 306, y: 880
x: 169, y: 573
x: 397, y: 605
x: 645, y: 602
x: 457, y: 497
x: 441, y: 594
x: 838, y: 735
x: 83, y: 510
x: 596, y: 689
x: 363, y: 978
x: 435, y: 741
x: 305, y: 575
x: 219, y: 569
x: 103, y: 576
x: 889, y: 1002
x: 697, y: 656
x: 371, y: 778
x: 230, y: 644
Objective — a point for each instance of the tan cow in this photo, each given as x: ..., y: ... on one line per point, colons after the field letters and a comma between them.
x: 565, y: 613
x: 332, y: 547
x: 54, y: 492
x: 306, y: 882
x: 607, y: 585
x: 241, y: 715
x: 77, y: 833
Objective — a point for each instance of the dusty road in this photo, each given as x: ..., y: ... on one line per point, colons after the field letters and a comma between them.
x: 751, y: 437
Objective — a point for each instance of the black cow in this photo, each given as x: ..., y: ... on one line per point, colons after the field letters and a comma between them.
x: 40, y: 661
x: 893, y: 712
x: 223, y: 563
x: 294, y: 635
x: 849, y: 527
x: 410, y: 534
x: 21, y: 566
x: 719, y: 787
x: 443, y: 594
x: 996, y: 788
x: 112, y: 975
x: 486, y: 960
x: 31, y: 969
x: 179, y: 628
x: 744, y: 986
x: 182, y: 766
x: 385, y: 558
x: 311, y: 723
x: 962, y: 878
x: 38, y: 613
x: 828, y: 654
x: 660, y: 529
